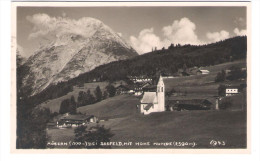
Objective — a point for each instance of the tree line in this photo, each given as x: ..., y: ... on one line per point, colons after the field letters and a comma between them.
x: 86, y: 98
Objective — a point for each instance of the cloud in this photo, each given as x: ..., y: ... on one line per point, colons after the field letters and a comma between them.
x: 240, y: 33
x: 21, y: 51
x: 180, y: 31
x: 45, y: 26
x: 146, y: 41
x: 217, y: 36
x: 240, y: 21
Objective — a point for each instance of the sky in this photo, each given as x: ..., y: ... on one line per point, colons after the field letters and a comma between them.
x: 142, y: 27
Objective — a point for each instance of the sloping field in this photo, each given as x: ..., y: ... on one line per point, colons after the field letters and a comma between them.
x: 199, y: 127
x: 190, y: 126
x: 118, y: 106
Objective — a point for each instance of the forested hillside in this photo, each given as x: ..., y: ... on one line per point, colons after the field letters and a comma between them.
x: 164, y: 61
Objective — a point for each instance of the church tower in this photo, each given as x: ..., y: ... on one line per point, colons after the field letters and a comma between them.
x: 161, y: 94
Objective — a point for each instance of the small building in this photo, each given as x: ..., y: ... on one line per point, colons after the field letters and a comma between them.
x: 153, y: 101
x: 227, y: 71
x: 243, y: 69
x: 75, y: 120
x: 232, y: 90
x: 200, y: 71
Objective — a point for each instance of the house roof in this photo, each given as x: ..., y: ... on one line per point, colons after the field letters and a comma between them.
x: 76, y: 117
x: 149, y: 97
x: 203, y: 70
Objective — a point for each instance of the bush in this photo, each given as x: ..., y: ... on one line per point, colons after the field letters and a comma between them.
x: 111, y: 90
x: 221, y: 76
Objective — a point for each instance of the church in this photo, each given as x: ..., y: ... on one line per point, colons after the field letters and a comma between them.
x: 154, y: 101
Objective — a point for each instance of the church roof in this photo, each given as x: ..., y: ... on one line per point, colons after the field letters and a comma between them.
x: 149, y: 97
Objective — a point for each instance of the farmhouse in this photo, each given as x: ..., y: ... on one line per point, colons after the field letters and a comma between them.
x: 200, y: 71
x: 154, y: 101
x: 191, y: 104
x: 140, y: 79
x: 139, y: 88
x: 75, y: 120
x: 231, y: 90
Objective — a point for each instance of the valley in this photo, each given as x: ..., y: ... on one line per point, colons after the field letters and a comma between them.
x: 121, y: 114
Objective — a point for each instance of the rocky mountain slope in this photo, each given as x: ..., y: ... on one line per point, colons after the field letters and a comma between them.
x: 71, y: 54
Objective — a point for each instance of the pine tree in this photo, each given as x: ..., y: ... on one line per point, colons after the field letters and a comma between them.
x: 98, y: 94
x: 90, y: 99
x: 73, y: 105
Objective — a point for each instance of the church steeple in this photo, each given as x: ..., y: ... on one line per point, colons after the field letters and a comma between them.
x: 161, y: 94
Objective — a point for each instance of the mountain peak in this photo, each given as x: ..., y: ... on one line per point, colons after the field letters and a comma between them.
x: 75, y: 48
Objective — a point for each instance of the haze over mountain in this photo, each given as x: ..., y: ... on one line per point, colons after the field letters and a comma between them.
x: 69, y: 54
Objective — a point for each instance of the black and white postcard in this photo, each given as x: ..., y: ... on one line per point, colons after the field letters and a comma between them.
x: 138, y: 76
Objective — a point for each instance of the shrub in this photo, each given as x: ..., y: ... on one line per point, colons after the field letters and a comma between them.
x: 221, y: 76
x: 96, y: 135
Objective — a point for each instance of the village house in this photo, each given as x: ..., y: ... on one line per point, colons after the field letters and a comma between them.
x: 232, y: 90
x: 69, y: 120
x: 154, y: 101
x: 200, y: 71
